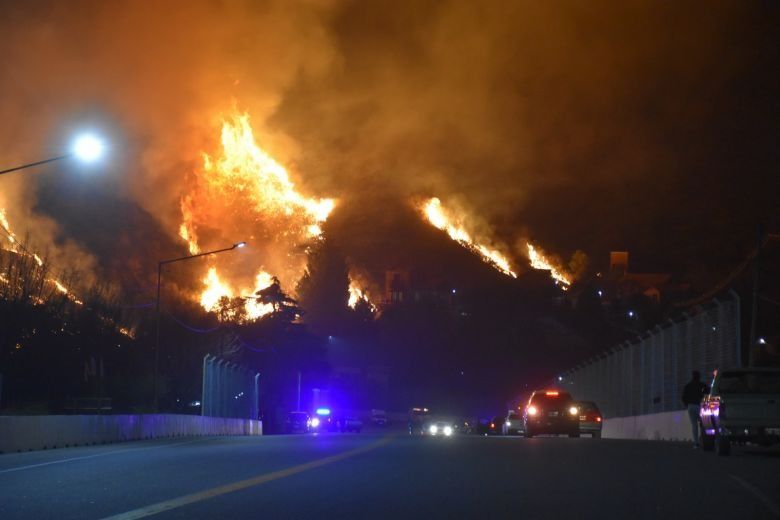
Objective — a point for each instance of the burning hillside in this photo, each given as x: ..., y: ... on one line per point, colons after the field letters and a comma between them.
x: 7, y: 277
x: 456, y: 225
x: 244, y: 194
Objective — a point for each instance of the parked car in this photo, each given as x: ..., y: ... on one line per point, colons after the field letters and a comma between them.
x: 346, y: 423
x: 513, y: 424
x: 743, y: 406
x: 298, y: 422
x: 418, y: 417
x: 590, y: 418
x: 551, y: 412
x: 379, y: 417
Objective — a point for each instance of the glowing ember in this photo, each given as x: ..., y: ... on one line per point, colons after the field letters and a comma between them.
x: 61, y: 288
x: 126, y: 332
x: 449, y: 223
x: 538, y: 261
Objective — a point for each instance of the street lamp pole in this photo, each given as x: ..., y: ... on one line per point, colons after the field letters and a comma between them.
x: 157, y: 311
x: 36, y: 163
x: 86, y: 148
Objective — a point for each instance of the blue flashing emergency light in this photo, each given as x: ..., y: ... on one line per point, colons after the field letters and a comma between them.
x: 323, y: 411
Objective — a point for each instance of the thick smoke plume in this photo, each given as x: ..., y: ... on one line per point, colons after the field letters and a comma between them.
x: 579, y: 125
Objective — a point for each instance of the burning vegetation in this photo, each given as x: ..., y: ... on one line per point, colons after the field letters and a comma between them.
x: 456, y: 225
x: 244, y: 193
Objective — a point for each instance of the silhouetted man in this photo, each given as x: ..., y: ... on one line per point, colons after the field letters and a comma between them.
x: 691, y: 398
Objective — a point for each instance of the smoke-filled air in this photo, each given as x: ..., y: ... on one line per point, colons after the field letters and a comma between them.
x: 285, y: 123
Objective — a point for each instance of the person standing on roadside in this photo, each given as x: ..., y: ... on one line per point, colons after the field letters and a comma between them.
x: 691, y: 398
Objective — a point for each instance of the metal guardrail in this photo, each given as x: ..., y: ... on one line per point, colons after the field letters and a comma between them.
x: 229, y: 390
x: 647, y: 375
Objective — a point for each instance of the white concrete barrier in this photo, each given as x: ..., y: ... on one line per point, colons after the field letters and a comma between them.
x: 40, y: 432
x: 665, y: 426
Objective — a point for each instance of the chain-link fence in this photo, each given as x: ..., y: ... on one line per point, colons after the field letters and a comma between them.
x: 229, y: 390
x: 647, y: 375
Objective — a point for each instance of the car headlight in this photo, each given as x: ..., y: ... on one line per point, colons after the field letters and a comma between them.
x: 508, y: 423
x: 574, y: 410
x: 315, y: 422
x: 448, y: 430
x: 433, y: 429
x: 532, y: 410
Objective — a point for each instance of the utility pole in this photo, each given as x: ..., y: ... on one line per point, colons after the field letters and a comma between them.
x: 754, y: 306
x: 298, y: 407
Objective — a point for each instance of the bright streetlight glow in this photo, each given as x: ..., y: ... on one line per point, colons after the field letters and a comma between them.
x: 88, y: 148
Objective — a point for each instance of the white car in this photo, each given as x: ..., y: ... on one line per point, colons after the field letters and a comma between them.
x: 513, y: 424
x: 743, y: 406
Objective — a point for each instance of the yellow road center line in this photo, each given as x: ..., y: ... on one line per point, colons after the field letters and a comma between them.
x: 200, y: 496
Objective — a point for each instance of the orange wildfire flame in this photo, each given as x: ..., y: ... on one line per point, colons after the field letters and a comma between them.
x: 446, y: 221
x: 453, y: 224
x: 20, y: 250
x: 247, y: 195
x: 358, y: 294
x: 539, y: 261
x: 216, y: 289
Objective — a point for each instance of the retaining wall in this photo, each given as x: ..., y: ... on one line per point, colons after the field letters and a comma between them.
x: 40, y: 432
x: 664, y: 426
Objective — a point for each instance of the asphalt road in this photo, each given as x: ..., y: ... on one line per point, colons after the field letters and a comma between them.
x: 389, y: 476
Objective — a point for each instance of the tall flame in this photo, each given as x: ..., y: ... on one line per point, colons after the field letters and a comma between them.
x: 444, y: 220
x: 243, y: 193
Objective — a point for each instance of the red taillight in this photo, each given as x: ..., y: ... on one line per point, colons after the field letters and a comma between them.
x: 532, y: 410
x: 492, y: 425
x: 598, y: 419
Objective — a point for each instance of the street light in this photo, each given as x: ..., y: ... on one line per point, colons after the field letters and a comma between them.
x: 86, y: 148
x: 157, y: 309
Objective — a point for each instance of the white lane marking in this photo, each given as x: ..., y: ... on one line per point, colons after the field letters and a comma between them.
x: 113, y: 452
x: 774, y: 508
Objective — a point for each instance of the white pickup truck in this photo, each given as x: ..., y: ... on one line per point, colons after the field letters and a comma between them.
x: 743, y: 406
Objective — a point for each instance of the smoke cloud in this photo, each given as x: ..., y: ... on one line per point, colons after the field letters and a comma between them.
x: 581, y: 125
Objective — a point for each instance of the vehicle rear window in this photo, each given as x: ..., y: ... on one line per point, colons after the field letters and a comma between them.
x: 542, y: 399
x: 587, y: 406
x: 514, y: 417
x: 749, y: 383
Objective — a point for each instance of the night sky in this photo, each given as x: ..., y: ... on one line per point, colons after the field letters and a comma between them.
x: 645, y: 126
